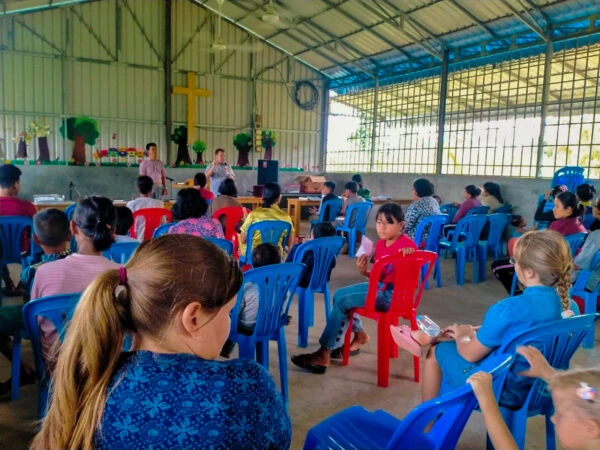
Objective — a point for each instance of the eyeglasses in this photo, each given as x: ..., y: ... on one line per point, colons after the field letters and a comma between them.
x: 512, y: 260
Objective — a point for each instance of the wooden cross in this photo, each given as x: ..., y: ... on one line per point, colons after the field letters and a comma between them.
x: 191, y: 92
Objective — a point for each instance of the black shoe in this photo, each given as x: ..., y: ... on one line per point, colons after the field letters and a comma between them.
x: 338, y: 353
x: 305, y: 362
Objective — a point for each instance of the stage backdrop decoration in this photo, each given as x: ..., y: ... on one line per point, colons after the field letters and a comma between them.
x: 268, y: 141
x: 81, y: 130
x: 40, y: 129
x: 22, y: 139
x: 179, y: 137
x: 198, y: 147
x: 243, y: 144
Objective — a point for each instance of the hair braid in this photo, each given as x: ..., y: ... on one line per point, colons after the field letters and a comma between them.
x: 563, y: 284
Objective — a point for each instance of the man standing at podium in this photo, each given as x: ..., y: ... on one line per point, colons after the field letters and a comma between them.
x: 155, y: 169
x: 218, y: 171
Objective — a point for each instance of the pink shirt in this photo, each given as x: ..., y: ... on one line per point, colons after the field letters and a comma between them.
x: 64, y: 276
x: 567, y: 226
x: 205, y: 193
x: 381, y: 251
x: 154, y: 169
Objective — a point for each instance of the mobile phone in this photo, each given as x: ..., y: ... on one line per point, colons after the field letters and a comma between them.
x: 428, y: 326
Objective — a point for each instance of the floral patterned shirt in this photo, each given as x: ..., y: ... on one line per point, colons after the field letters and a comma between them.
x: 181, y: 401
x: 203, y: 227
x: 417, y: 211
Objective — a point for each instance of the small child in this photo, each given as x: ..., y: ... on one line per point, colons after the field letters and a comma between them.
x: 262, y: 255
x: 144, y: 185
x: 574, y: 394
x: 323, y: 229
x: 123, y: 224
x: 328, y: 194
x: 200, y: 184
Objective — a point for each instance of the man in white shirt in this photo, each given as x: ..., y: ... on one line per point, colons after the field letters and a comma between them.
x: 218, y: 171
x: 145, y: 186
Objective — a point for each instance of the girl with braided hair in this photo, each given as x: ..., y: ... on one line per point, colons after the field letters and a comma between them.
x: 543, y: 264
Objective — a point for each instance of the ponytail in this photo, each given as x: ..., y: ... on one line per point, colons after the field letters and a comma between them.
x: 89, y: 357
x: 95, y: 216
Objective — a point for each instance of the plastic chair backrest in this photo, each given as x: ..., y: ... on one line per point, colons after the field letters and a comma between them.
x: 276, y: 284
x: 332, y: 207
x: 498, y: 223
x: 506, y: 208
x: 450, y: 209
x: 233, y: 214
x: 358, y: 213
x: 56, y: 308
x: 570, y: 176
x: 449, y: 413
x: 575, y: 242
x: 408, y: 288
x: 153, y: 218
x: 477, y: 210
x: 272, y: 231
x: 588, y: 220
x: 11, y: 232
x: 325, y: 250
x: 223, y: 244
x: 120, y: 252
x: 584, y: 274
x: 69, y: 210
x: 161, y: 230
x: 434, y: 226
x: 558, y: 340
x: 469, y: 228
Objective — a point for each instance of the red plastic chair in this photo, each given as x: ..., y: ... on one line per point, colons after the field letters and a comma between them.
x: 408, y: 290
x: 233, y: 215
x: 153, y: 219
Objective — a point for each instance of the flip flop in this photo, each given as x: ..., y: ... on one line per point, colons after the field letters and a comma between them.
x: 402, y: 337
x: 338, y: 353
x: 304, y: 361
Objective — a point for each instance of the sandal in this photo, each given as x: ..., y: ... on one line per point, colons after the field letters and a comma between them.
x: 304, y: 361
x: 402, y: 337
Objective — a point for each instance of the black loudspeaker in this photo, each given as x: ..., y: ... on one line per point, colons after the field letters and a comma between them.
x: 268, y: 171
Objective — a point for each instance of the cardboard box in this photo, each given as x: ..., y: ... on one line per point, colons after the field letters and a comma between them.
x: 311, y: 184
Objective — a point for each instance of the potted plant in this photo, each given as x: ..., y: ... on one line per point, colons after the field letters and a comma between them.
x: 41, y: 129
x: 268, y: 141
x: 243, y: 143
x: 198, y: 147
x: 179, y: 137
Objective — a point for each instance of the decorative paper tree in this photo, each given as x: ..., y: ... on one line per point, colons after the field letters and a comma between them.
x: 81, y: 130
x: 179, y: 137
x: 199, y: 147
x: 22, y: 139
x: 268, y: 141
x: 41, y: 129
x: 243, y: 143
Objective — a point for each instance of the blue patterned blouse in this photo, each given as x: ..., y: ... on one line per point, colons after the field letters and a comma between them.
x: 173, y: 401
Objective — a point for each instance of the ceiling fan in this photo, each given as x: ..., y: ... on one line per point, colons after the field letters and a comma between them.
x: 218, y: 44
x: 270, y: 15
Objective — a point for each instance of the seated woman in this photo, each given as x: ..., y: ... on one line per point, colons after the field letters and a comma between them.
x: 585, y: 194
x: 490, y: 196
x: 541, y: 215
x: 390, y: 229
x: 584, y: 258
x: 424, y: 205
x: 362, y: 191
x: 227, y: 196
x: 269, y: 210
x: 543, y: 264
x: 169, y: 391
x: 200, y: 184
x: 470, y: 195
x: 190, y: 211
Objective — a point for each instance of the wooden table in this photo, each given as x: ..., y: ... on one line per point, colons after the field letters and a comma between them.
x: 399, y: 201
x: 59, y: 205
x: 294, y: 206
x: 250, y: 200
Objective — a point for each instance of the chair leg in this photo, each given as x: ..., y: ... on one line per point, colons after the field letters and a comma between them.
x: 246, y: 348
x: 303, y: 319
x: 346, y: 352
x: 481, y: 256
x: 550, y: 434
x: 513, y: 286
x: 383, y: 353
x: 262, y: 353
x: 416, y: 360
x: 438, y: 273
x: 283, y: 375
x: 327, y: 301
x: 589, y: 302
x: 517, y: 424
x: 461, y: 262
x: 351, y: 243
x: 16, y: 367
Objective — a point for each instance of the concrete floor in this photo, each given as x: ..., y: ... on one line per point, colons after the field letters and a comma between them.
x: 315, y: 397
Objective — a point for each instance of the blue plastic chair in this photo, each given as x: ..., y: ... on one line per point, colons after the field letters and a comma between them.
x: 477, y: 210
x: 333, y: 207
x: 575, y: 242
x: 495, y: 242
x: 570, y: 176
x: 58, y: 309
x: 324, y: 250
x: 450, y: 210
x: 11, y: 231
x: 276, y: 285
x: 120, y: 252
x: 359, y: 213
x: 223, y: 244
x: 358, y: 428
x: 589, y: 298
x: 558, y: 341
x: 69, y: 211
x: 465, y: 242
x: 588, y: 220
x: 506, y: 208
x: 272, y: 231
x: 161, y: 230
x: 434, y: 225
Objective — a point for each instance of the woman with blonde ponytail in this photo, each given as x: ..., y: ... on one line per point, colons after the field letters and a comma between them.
x: 543, y: 265
x: 169, y: 392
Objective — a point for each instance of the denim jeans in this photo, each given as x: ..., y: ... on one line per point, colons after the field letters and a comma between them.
x: 344, y: 300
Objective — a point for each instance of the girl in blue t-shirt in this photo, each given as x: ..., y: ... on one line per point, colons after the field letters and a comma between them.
x: 169, y: 392
x: 543, y: 264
